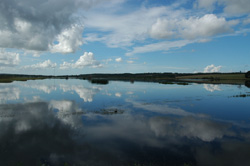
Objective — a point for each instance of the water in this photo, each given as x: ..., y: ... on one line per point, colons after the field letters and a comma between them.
x: 74, y: 122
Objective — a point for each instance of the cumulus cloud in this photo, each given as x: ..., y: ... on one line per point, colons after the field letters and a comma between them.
x: 212, y: 68
x: 42, y: 65
x: 124, y: 29
x: 8, y: 59
x: 37, y: 25
x: 191, y: 28
x: 86, y: 60
x: 118, y: 59
x: 69, y: 40
x: 163, y: 22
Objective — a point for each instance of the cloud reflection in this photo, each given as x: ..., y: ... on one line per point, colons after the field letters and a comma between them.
x: 190, y: 127
x: 164, y: 109
x: 46, y: 88
x: 211, y: 87
x: 33, y: 134
x: 8, y: 92
x: 86, y: 93
x: 60, y: 132
x: 68, y: 112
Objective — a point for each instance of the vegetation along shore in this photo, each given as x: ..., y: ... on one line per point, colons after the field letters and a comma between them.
x: 164, y: 78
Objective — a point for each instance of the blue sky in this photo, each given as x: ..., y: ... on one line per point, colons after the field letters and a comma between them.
x: 118, y: 36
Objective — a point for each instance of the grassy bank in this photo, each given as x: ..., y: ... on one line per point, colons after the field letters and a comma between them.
x: 9, y: 79
x: 218, y: 76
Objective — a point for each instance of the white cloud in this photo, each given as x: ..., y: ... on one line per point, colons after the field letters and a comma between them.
x: 208, y: 4
x: 8, y: 59
x: 68, y: 40
x: 86, y: 60
x: 163, y: 22
x: 130, y: 62
x: 118, y: 59
x: 37, y: 25
x: 246, y: 21
x: 163, y: 28
x: 191, y: 28
x: 125, y: 29
x: 43, y: 65
x: 212, y: 68
x: 160, y: 46
x: 234, y: 7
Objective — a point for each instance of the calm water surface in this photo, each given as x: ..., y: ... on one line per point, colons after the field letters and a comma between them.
x: 74, y: 122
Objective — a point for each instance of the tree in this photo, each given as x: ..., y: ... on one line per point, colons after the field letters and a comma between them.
x: 247, y: 75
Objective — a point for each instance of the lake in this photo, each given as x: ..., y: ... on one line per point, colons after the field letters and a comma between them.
x: 74, y: 122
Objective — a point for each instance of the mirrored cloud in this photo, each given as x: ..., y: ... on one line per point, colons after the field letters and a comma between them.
x: 163, y: 109
x: 46, y: 88
x: 9, y: 92
x: 211, y: 87
x: 34, y: 129
x: 189, y: 127
x: 86, y: 93
x: 68, y: 112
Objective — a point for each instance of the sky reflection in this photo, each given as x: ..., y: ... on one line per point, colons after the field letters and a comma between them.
x: 89, y: 127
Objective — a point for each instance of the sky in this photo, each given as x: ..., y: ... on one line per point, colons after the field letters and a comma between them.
x: 124, y: 36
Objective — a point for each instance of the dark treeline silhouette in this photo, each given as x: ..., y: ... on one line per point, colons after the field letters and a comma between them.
x: 151, y: 77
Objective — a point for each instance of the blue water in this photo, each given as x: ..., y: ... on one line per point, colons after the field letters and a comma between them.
x: 74, y: 122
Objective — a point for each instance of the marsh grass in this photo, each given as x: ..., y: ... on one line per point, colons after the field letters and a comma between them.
x: 11, y: 79
x: 237, y: 76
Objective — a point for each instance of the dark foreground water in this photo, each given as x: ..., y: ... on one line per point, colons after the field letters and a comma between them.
x: 75, y: 123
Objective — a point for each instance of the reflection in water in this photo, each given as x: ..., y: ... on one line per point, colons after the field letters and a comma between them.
x: 247, y: 84
x: 41, y: 86
x: 33, y: 133
x: 118, y: 94
x: 190, y: 127
x: 212, y: 87
x: 135, y: 129
x: 8, y: 92
x: 68, y: 112
x: 163, y: 109
x: 86, y: 94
